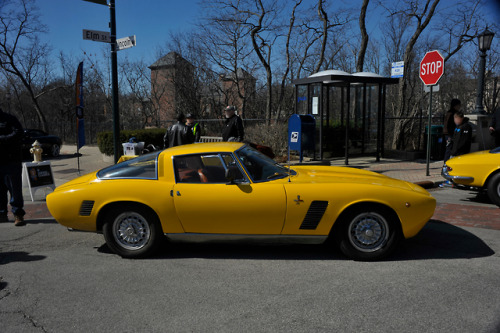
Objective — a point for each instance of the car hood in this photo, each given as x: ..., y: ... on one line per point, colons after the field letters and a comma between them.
x: 331, y: 174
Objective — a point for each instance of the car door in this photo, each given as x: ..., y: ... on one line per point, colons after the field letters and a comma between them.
x: 205, y: 203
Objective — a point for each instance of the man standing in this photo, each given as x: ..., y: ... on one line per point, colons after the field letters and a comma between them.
x: 462, y: 136
x: 178, y: 134
x: 11, y: 133
x: 194, y: 126
x: 495, y: 127
x: 233, y: 131
x: 449, y: 126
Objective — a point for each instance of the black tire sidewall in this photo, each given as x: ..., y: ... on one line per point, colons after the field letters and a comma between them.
x: 492, y: 189
x: 155, y: 232
x: 348, y: 248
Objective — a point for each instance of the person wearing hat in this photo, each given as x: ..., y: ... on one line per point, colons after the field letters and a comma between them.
x: 178, y: 134
x: 194, y: 126
x: 233, y: 131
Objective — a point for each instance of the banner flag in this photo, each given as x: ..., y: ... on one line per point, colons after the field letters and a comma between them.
x: 80, y: 126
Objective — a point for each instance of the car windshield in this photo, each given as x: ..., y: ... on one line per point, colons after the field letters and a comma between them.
x: 142, y: 167
x: 495, y: 150
x: 259, y: 166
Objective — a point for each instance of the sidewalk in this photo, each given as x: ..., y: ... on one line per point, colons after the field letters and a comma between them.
x: 65, y: 168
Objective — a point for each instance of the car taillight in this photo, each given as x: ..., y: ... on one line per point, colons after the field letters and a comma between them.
x: 448, y: 168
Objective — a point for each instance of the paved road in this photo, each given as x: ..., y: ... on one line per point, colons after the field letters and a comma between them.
x: 444, y: 280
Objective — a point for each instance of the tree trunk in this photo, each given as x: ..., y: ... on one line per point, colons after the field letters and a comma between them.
x: 364, y: 37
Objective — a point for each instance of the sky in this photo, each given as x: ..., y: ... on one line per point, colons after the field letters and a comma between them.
x: 150, y: 20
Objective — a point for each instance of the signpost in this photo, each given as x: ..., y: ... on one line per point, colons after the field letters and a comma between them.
x: 431, y: 70
x: 116, y: 45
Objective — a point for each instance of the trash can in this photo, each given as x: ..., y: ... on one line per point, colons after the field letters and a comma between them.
x: 438, y: 144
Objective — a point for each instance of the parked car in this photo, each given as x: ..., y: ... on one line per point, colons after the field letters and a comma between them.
x: 228, y: 190
x: 479, y: 170
x: 51, y: 144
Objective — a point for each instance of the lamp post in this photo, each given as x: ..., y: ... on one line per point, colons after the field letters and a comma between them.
x: 484, y: 40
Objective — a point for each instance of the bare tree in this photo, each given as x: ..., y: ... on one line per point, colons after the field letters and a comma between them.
x: 22, y: 54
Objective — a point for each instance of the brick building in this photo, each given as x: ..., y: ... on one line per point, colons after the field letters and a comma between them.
x: 172, y: 89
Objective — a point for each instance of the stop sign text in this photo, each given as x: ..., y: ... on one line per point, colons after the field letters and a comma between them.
x: 431, y: 68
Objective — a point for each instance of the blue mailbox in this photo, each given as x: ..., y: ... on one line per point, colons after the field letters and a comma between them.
x: 301, y: 130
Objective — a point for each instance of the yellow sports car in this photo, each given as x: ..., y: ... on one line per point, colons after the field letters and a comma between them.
x: 231, y: 191
x: 479, y: 170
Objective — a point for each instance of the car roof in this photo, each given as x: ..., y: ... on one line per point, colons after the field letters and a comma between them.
x: 198, y: 148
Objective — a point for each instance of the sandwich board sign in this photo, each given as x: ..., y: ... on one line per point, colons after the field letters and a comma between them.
x: 37, y: 175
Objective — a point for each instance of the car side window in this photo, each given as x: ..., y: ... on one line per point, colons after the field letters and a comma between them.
x: 202, y: 168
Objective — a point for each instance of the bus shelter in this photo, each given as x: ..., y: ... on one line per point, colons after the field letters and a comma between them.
x: 349, y: 110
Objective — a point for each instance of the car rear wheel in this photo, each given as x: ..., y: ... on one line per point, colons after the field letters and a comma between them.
x: 494, y: 189
x: 369, y: 233
x: 132, y: 231
x: 55, y: 150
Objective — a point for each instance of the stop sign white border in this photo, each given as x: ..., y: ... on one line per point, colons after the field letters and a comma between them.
x: 420, y: 68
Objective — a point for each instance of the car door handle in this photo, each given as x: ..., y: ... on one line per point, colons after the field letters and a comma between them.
x: 178, y: 193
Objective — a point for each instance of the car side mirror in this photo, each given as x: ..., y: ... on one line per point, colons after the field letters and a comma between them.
x: 232, y: 175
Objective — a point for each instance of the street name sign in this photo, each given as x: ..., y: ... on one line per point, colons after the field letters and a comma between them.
x: 431, y: 68
x: 125, y: 43
x: 97, y: 36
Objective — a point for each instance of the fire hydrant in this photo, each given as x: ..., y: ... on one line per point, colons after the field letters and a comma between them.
x: 36, y: 151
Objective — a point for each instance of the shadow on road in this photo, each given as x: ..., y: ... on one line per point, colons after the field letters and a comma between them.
x: 8, y: 257
x: 438, y: 240
x: 441, y: 240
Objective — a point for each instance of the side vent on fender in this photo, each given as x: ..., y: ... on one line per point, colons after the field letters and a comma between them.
x: 314, y: 215
x: 86, y: 208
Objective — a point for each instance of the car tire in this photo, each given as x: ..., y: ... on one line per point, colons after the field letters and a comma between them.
x: 369, y: 232
x: 494, y: 189
x: 132, y: 231
x: 55, y: 150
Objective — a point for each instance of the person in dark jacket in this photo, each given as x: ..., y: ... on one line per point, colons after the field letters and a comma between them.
x: 178, y: 134
x: 449, y: 126
x: 11, y: 133
x: 462, y: 137
x: 495, y: 127
x: 233, y: 131
x: 194, y: 126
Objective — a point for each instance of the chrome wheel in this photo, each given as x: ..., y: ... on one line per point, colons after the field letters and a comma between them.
x: 368, y: 232
x: 131, y: 231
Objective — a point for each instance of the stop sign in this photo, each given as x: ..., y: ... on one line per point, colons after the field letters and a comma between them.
x: 431, y: 68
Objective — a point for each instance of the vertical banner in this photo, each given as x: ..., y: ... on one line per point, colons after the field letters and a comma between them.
x: 79, y: 107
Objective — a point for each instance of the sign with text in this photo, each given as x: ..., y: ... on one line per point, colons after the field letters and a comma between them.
x: 37, y: 175
x: 397, y: 69
x: 125, y: 43
x: 97, y: 36
x: 431, y: 68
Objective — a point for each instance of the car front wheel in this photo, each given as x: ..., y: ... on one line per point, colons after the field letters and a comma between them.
x: 55, y: 150
x: 494, y: 189
x: 132, y: 231
x: 369, y: 233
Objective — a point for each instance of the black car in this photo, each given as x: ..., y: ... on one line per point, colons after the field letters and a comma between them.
x: 50, y: 144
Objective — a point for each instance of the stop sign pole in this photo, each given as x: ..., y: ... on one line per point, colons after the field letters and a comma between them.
x: 431, y: 70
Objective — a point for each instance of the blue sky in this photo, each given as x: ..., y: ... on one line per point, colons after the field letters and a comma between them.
x: 150, y: 20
